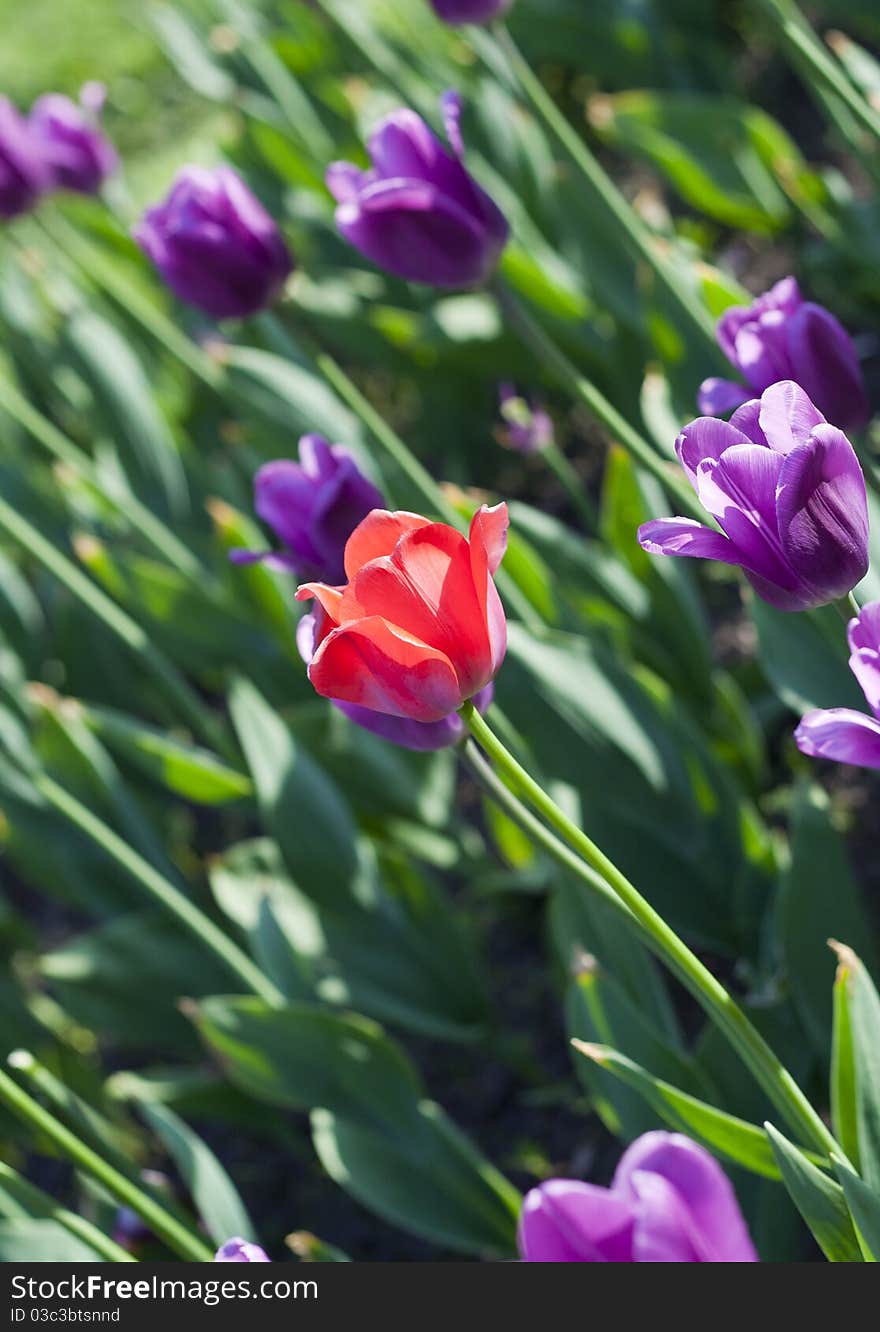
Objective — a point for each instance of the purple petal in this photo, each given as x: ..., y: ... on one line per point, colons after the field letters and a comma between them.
x: 344, y: 180
x: 684, y: 536
x: 706, y: 437
x: 787, y: 416
x: 864, y: 641
x: 739, y: 490
x: 567, y: 1221
x: 841, y: 734
x: 747, y: 419
x: 761, y: 352
x: 240, y: 1251
x: 716, y: 1226
x: 717, y: 397
x: 825, y: 360
x: 823, y: 514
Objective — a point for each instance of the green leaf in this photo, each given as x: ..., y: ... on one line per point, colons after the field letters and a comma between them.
x: 288, y: 394
x: 184, y: 769
x: 25, y: 1241
x: 844, y: 1111
x: 864, y: 1205
x: 819, y: 899
x: 805, y: 658
x: 301, y: 807
x: 213, y: 1192
x: 819, y: 1200
x: 741, y: 1142
x: 864, y: 1014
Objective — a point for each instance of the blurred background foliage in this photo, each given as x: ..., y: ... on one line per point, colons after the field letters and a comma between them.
x: 421, y: 950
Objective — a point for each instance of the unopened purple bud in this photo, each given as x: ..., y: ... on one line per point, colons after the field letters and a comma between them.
x: 241, y: 1251
x: 24, y: 174
x: 214, y: 244
x: 79, y: 155
x: 526, y: 426
x: 417, y: 212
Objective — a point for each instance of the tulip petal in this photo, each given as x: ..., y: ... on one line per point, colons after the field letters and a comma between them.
x: 427, y: 586
x: 378, y: 666
x: 328, y: 598
x: 706, y: 437
x: 787, y: 416
x: 488, y: 543
x: 685, y: 536
x: 841, y: 734
x: 747, y: 419
x: 863, y: 633
x: 377, y: 535
x: 739, y: 489
x: 826, y: 359
x: 568, y: 1221
x: 662, y: 1232
x: 716, y: 1224
x: 717, y: 397
x: 823, y: 514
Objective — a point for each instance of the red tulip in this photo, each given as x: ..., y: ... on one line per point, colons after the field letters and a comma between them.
x: 419, y: 628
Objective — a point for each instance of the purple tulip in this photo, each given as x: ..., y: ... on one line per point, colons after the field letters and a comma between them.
x: 782, y: 336
x: 788, y: 492
x: 669, y: 1202
x: 469, y: 11
x: 241, y: 1251
x: 214, y: 244
x: 842, y: 734
x: 78, y: 153
x: 417, y: 212
x: 526, y: 427
x: 24, y: 175
x: 313, y: 507
x: 423, y: 737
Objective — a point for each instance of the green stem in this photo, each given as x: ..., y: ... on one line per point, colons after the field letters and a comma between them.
x: 641, y: 243
x: 42, y: 1205
x: 582, y: 388
x: 118, y: 622
x: 161, y: 1222
x: 769, y: 1072
x: 153, y: 530
x: 160, y: 890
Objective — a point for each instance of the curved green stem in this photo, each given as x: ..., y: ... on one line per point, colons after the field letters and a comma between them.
x: 160, y: 890
x: 161, y: 1222
x: 757, y: 1055
x: 642, y: 244
x: 541, y: 343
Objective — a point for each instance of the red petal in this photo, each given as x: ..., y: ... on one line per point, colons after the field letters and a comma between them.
x: 377, y: 665
x: 377, y: 535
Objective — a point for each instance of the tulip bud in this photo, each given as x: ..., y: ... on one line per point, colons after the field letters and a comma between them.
x: 214, y: 244
x: 313, y: 507
x: 457, y: 12
x: 24, y: 175
x: 78, y: 153
x: 669, y: 1202
x: 241, y: 1251
x: 417, y: 212
x: 782, y: 336
x: 526, y: 427
x: 787, y: 491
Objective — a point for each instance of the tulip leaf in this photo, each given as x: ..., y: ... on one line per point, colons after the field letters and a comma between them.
x: 215, y: 1196
x: 374, y: 1131
x: 864, y: 1206
x: 740, y: 1141
x: 288, y: 394
x: 864, y: 1017
x: 810, y: 912
x: 844, y: 1095
x: 302, y: 808
x: 186, y: 770
x: 805, y: 658
x: 820, y: 1201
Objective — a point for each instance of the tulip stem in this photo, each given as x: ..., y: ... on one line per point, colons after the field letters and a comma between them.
x: 757, y: 1055
x: 160, y: 890
x: 641, y: 243
x: 161, y: 1222
x: 552, y: 355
